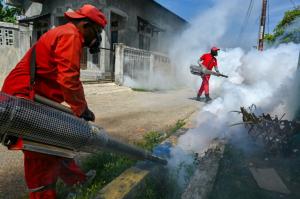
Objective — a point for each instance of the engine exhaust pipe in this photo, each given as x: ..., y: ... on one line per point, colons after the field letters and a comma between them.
x: 51, y: 128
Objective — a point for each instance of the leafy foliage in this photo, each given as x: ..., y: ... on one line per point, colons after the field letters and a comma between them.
x: 270, y: 37
x: 8, y: 13
x: 289, y: 17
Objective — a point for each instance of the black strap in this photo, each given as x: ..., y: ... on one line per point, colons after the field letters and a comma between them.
x: 32, y: 67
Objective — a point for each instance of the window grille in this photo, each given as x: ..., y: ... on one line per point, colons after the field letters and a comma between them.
x: 6, y: 37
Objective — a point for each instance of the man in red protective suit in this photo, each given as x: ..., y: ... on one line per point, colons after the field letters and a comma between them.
x: 57, y: 72
x: 209, y: 61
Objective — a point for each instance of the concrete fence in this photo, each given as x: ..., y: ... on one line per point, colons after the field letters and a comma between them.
x: 142, y: 67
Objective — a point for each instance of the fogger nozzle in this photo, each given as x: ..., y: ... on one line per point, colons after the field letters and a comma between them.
x: 42, y: 124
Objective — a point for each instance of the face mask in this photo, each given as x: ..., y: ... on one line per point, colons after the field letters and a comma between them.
x: 94, y: 46
x: 214, y: 53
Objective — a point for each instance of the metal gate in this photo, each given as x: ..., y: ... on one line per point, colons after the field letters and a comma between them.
x: 136, y: 63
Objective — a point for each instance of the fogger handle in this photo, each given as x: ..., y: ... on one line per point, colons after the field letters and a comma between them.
x: 45, y: 101
x: 223, y: 75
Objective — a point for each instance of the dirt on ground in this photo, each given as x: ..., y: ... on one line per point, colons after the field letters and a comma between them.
x: 124, y: 113
x: 235, y: 181
x: 128, y: 115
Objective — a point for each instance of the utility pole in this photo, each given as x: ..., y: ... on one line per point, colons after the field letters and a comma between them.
x: 262, y: 25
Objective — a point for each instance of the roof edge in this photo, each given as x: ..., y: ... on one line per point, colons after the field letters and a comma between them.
x: 158, y: 4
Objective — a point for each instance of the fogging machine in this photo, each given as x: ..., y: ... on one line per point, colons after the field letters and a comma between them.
x: 51, y: 128
x: 200, y: 70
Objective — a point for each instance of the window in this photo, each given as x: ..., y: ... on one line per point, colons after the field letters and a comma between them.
x: 144, y: 42
x: 147, y: 31
x: 6, y: 37
x: 144, y: 26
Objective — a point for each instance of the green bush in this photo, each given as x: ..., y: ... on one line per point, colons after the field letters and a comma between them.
x: 279, y: 30
x: 8, y: 13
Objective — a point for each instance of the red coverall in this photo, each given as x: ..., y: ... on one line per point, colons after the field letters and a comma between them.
x: 58, y: 55
x: 209, y: 62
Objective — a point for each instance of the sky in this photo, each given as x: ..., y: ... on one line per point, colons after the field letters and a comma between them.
x: 188, y: 9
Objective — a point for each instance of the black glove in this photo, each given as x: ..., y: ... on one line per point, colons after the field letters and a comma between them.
x: 10, y: 140
x: 88, y: 115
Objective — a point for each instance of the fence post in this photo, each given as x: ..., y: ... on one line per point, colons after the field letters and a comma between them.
x: 151, y: 67
x: 119, y: 63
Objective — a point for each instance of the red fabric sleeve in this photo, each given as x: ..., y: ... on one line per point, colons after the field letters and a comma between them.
x: 202, y: 57
x: 67, y: 56
x: 216, y: 61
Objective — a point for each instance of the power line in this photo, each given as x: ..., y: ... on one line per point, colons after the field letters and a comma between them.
x: 246, y: 19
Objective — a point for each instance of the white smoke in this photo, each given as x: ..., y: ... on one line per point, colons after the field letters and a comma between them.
x: 220, y: 26
x: 261, y: 78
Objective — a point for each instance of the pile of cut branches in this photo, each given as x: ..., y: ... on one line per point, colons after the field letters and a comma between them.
x: 275, y: 133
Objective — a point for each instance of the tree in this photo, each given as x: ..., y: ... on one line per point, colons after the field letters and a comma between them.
x: 280, y: 30
x: 8, y: 13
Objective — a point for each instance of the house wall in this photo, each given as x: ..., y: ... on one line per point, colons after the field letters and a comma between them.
x: 127, y: 12
x: 130, y: 9
x: 152, y: 12
x: 14, y: 42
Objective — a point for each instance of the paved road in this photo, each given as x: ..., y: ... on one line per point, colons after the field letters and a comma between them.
x: 124, y: 113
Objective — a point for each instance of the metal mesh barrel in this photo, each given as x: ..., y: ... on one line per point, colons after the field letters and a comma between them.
x: 42, y: 124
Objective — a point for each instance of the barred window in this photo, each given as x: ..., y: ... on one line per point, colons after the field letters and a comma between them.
x: 9, y: 37
x: 6, y: 37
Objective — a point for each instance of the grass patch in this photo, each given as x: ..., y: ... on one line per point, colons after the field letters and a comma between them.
x: 150, y: 140
x: 179, y: 124
x: 154, y: 189
x: 109, y: 166
x: 154, y: 138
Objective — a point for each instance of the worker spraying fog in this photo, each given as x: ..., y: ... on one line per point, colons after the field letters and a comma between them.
x: 206, y: 63
x: 261, y: 78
